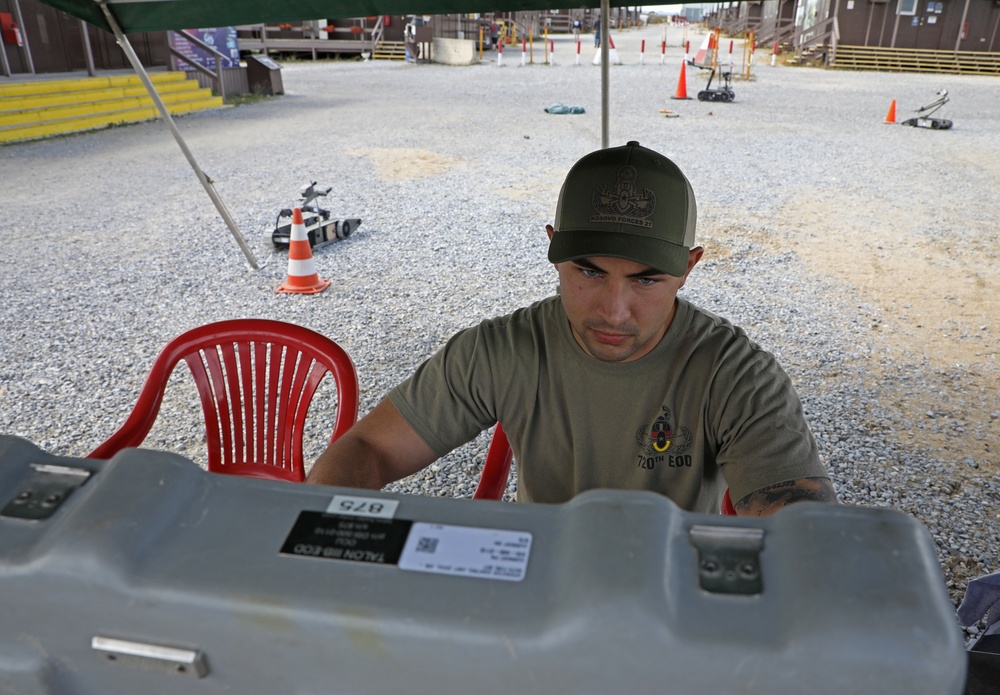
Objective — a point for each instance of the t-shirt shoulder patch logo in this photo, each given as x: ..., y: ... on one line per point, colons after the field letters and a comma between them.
x: 659, y: 443
x: 623, y: 203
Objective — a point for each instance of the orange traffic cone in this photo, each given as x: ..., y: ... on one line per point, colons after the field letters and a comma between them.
x: 682, y: 89
x: 302, y: 277
x: 891, y: 116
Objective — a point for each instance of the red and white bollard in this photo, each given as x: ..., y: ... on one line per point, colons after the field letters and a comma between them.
x: 552, y: 52
x: 774, y: 54
x: 578, y: 52
x: 663, y: 52
x: 642, y: 52
x: 524, y: 52
x: 500, y: 53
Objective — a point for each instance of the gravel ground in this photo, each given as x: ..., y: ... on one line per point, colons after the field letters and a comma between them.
x: 863, y: 255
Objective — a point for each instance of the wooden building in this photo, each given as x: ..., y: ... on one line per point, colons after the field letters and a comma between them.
x: 919, y: 35
x: 38, y: 38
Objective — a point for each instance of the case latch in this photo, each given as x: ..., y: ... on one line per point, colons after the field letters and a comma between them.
x: 44, y: 492
x: 729, y: 558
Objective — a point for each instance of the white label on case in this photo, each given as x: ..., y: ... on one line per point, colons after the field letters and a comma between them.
x: 465, y: 551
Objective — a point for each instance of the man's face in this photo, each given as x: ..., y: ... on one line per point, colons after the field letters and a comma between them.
x: 619, y: 309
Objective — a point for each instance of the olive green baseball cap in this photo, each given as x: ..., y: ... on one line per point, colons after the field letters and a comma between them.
x: 626, y: 202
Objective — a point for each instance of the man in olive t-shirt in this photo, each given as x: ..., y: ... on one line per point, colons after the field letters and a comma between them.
x: 613, y: 383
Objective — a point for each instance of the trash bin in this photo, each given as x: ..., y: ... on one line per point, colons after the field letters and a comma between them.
x: 264, y: 75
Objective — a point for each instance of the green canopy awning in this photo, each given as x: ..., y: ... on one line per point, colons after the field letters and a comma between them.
x: 137, y: 16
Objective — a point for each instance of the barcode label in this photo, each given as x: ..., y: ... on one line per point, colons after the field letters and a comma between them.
x: 427, y: 545
x: 464, y: 551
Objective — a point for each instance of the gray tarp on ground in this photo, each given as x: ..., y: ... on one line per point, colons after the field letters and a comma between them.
x: 982, y: 601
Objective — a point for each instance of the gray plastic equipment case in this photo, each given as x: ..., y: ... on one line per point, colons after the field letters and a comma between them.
x: 145, y: 575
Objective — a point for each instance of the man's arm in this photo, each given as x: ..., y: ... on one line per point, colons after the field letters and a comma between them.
x: 768, y: 500
x: 379, y: 449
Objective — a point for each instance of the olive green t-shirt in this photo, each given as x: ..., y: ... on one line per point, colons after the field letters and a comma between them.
x: 705, y: 409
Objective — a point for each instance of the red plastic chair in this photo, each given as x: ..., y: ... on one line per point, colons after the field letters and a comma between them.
x: 493, y: 481
x: 256, y: 379
x: 727, y: 505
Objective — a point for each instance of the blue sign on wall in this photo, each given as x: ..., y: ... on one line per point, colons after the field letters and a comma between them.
x: 222, y: 39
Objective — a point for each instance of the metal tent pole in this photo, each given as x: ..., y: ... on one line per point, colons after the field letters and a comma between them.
x: 205, y: 181
x: 605, y: 73
x: 88, y: 54
x: 24, y: 37
x: 3, y: 60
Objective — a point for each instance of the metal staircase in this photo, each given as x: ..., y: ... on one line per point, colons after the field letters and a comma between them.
x: 389, y: 50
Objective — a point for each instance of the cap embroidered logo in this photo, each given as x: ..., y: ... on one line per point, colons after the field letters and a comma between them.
x: 624, y: 204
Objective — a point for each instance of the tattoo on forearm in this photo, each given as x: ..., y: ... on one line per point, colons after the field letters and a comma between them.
x: 769, y: 499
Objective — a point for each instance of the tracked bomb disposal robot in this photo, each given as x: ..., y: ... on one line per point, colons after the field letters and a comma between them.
x: 320, y: 229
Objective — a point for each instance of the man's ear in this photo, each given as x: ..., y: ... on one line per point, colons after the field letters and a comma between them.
x: 693, y: 257
x: 550, y: 230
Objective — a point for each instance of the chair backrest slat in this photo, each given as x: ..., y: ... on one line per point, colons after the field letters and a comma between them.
x: 216, y: 410
x: 283, y: 398
x: 233, y: 402
x: 260, y: 350
x: 203, y: 381
x: 246, y: 451
x: 273, y: 369
x: 296, y: 371
x: 316, y: 373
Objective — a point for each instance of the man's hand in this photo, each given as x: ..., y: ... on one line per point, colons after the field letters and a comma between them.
x: 768, y: 500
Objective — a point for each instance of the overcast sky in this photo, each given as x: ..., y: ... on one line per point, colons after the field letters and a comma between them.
x: 669, y: 9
